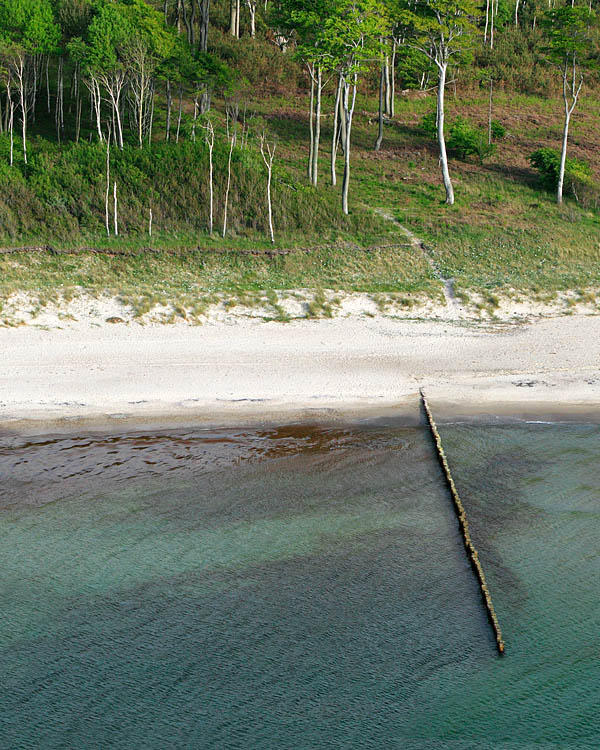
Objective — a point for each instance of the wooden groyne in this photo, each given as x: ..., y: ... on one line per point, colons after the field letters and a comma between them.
x: 464, y: 526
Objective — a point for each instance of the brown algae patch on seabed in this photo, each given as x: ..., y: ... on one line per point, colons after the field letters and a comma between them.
x: 464, y: 526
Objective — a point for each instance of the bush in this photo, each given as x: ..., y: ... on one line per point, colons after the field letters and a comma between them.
x: 429, y: 124
x: 498, y: 130
x: 547, y: 163
x: 578, y: 176
x: 467, y: 140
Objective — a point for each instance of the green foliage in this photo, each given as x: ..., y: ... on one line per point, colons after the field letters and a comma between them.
x: 29, y: 24
x: 547, y: 163
x: 429, y: 124
x: 441, y: 29
x: 498, y: 130
x: 411, y: 64
x: 60, y: 195
x: 468, y: 140
x: 463, y: 137
x: 256, y: 63
x: 570, y: 33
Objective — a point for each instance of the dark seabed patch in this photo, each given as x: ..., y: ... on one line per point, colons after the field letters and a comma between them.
x: 298, y: 588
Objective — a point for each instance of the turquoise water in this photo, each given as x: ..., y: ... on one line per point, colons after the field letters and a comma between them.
x: 299, y: 588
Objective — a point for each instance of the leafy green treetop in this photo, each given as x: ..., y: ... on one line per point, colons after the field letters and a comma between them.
x: 441, y: 30
x: 27, y: 29
x: 571, y: 41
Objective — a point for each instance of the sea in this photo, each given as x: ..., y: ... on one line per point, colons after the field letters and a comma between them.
x: 302, y: 586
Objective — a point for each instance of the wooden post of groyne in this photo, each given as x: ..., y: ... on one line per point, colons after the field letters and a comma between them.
x: 464, y: 526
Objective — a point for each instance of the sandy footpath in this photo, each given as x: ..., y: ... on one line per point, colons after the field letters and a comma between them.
x: 246, y: 369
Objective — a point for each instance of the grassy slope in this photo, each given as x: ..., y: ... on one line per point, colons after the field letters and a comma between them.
x: 504, y: 232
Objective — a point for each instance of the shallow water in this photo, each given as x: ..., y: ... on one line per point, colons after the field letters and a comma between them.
x: 299, y: 588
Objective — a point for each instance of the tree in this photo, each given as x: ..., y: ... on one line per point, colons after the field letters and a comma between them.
x: 145, y: 45
x: 570, y: 33
x: 353, y: 40
x: 125, y: 43
x: 307, y: 22
x: 267, y: 151
x: 102, y: 60
x: 441, y: 30
x: 27, y: 29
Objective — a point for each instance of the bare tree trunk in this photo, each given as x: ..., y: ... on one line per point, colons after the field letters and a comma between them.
x: 349, y: 102
x: 169, y: 105
x: 115, y: 209
x: 11, y: 119
x: 573, y: 90
x: 317, y: 136
x: 78, y: 118
x: 210, y: 142
x: 487, y: 21
x: 179, y: 116
x: 23, y: 111
x: 106, y: 217
x: 58, y: 108
x: 252, y: 9
x: 334, y: 137
x: 393, y: 81
x: 34, y: 89
x: 48, y: 107
x: 268, y: 155
x: 228, y: 186
x: 205, y: 101
x: 387, y: 85
x: 195, y: 116
x: 382, y: 84
x: 309, y: 167
x: 150, y: 223
x: 342, y: 122
x: 204, y: 7
x: 97, y: 105
x: 442, y: 68
x: 151, y: 123
x: 490, y: 112
x: 234, y: 18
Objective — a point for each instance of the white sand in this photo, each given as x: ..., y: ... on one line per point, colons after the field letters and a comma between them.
x: 238, y: 369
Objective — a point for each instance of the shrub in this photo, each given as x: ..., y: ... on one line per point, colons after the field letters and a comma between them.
x: 498, y: 130
x: 547, y: 163
x: 429, y: 124
x: 578, y: 176
x: 467, y: 140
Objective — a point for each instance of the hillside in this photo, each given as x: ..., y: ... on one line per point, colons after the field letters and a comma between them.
x: 504, y: 234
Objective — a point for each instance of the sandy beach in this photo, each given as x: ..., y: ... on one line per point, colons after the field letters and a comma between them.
x: 242, y: 370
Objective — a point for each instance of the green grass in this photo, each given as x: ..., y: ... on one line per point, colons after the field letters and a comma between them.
x: 504, y: 232
x: 193, y: 280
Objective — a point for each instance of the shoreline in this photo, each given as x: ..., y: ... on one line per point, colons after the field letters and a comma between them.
x: 243, y: 372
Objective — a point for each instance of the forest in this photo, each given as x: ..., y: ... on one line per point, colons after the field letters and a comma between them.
x: 308, y: 124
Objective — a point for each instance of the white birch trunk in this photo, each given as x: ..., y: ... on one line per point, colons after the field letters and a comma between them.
x: 349, y: 102
x: 317, y: 135
x: 106, y: 216
x: 309, y: 166
x: 115, y: 209
x: 442, y: 68
x: 334, y: 137
x: 228, y: 186
x: 268, y: 155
